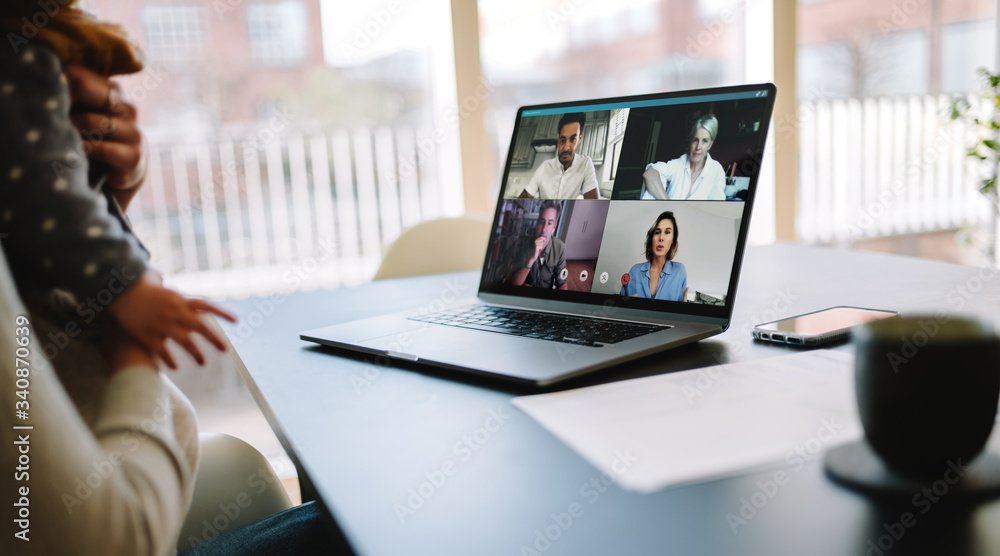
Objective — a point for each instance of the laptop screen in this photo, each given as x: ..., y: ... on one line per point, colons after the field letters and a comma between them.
x: 639, y: 202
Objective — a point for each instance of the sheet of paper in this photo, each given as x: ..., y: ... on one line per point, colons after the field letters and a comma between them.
x: 673, y: 429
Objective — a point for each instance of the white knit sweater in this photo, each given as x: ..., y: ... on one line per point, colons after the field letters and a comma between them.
x: 114, y: 477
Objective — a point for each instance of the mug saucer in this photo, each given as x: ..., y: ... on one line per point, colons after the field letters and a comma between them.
x: 856, y: 466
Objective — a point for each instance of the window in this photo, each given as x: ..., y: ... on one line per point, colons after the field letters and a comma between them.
x: 878, y: 156
x: 557, y: 50
x: 966, y: 46
x: 897, y: 64
x: 174, y: 32
x: 827, y: 71
x: 278, y: 33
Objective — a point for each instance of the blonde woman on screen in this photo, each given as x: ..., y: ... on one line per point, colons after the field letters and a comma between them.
x: 695, y: 175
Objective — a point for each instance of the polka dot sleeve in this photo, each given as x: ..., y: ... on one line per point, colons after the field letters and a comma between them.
x: 55, y: 230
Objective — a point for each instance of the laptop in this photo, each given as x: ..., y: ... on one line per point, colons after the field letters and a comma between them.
x: 619, y: 232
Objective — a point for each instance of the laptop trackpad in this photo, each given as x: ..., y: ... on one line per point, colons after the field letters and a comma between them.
x: 398, y: 335
x: 407, y: 339
x: 388, y: 329
x: 453, y: 345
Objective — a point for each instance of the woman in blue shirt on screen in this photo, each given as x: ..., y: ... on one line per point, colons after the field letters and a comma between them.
x: 660, y: 273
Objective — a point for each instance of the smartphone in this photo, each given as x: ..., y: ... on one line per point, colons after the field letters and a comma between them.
x: 819, y: 327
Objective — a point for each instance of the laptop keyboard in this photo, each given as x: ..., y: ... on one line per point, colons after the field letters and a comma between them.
x: 544, y: 326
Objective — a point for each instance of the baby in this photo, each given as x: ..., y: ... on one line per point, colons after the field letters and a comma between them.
x: 60, y: 227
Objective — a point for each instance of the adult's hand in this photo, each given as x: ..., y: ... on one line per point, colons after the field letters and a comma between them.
x: 121, y: 350
x: 541, y: 242
x: 111, y: 135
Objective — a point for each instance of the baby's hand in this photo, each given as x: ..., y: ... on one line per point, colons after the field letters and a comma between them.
x: 152, y: 314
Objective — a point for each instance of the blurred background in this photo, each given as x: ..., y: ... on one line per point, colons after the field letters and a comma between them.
x: 286, y: 132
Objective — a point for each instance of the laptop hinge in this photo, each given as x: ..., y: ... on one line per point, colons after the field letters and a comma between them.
x: 597, y: 311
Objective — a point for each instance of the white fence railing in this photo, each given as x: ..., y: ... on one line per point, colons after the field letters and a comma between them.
x: 261, y: 213
x: 884, y: 166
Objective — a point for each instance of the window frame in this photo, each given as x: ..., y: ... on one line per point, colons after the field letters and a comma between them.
x: 162, y: 16
x: 273, y: 50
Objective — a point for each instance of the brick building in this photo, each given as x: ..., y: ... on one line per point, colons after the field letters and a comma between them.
x: 214, y: 63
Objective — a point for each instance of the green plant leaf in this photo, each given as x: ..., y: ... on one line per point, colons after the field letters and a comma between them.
x: 988, y: 185
x: 987, y: 130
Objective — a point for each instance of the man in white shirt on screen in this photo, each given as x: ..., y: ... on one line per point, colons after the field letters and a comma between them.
x: 568, y: 175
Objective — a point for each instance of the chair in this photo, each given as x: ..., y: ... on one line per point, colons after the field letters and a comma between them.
x: 234, y: 486
x: 436, y: 246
